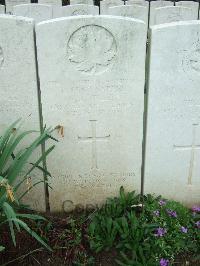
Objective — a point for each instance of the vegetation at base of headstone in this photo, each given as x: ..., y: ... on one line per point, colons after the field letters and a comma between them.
x: 150, y: 235
x: 13, y: 162
x: 70, y: 242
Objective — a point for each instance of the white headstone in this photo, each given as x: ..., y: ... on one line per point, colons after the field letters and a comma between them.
x: 105, y: 4
x: 51, y: 2
x: 172, y: 166
x: 84, y: 2
x: 38, y: 12
x: 92, y: 81
x: 193, y: 5
x: 134, y: 11
x: 11, y: 3
x: 172, y: 14
x: 137, y: 2
x: 18, y: 87
x: 157, y: 4
x: 2, y: 9
x: 77, y: 10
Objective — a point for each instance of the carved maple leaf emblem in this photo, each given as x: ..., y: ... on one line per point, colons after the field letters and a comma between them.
x: 92, y: 49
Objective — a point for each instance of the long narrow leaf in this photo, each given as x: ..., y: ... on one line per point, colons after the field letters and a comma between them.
x: 7, y: 133
x: 2, y: 248
x: 10, y: 222
x: 10, y: 213
x: 27, y: 191
x: 11, y: 146
x: 35, y: 165
x: 32, y: 233
x: 31, y: 216
x: 19, y: 164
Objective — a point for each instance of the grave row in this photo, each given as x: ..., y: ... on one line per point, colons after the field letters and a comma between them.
x: 158, y: 13
x: 92, y: 77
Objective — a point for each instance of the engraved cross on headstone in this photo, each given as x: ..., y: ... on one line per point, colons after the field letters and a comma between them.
x: 191, y: 147
x: 93, y: 139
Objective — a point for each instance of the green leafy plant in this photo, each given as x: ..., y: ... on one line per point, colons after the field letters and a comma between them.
x: 70, y: 243
x: 144, y: 231
x: 13, y: 161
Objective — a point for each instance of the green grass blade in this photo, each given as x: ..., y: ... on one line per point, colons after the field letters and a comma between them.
x: 27, y: 191
x: 33, y: 234
x: 10, y: 222
x: 19, y: 163
x: 10, y: 213
x: 30, y: 216
x: 2, y: 248
x: 7, y: 134
x: 11, y: 146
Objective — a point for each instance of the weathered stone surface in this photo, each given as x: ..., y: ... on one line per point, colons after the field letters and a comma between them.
x: 157, y: 4
x: 77, y: 10
x: 92, y: 82
x: 172, y: 166
x: 105, y: 4
x: 134, y: 11
x: 84, y: 2
x: 38, y: 12
x: 18, y: 87
x: 51, y: 2
x: 172, y: 14
x: 191, y: 4
x: 11, y: 3
x: 137, y: 2
x: 2, y: 9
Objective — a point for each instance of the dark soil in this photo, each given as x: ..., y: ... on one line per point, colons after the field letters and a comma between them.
x: 28, y: 252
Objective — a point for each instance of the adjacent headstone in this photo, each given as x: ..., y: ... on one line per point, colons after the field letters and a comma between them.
x: 172, y: 166
x: 77, y: 10
x: 84, y: 2
x: 18, y: 88
x: 137, y: 2
x: 51, y: 2
x: 134, y: 11
x: 2, y: 9
x: 36, y: 11
x: 11, y: 3
x: 191, y: 4
x: 92, y: 83
x: 172, y: 14
x: 157, y: 4
x: 105, y: 4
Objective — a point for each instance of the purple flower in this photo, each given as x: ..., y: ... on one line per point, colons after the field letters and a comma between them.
x: 164, y: 262
x: 198, y: 224
x: 162, y: 202
x: 160, y: 232
x: 184, y: 229
x: 196, y: 208
x: 156, y: 213
x: 172, y: 213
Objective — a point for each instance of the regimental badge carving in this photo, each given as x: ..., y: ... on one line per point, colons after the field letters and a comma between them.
x: 1, y: 57
x: 79, y: 12
x: 191, y: 61
x: 92, y: 49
